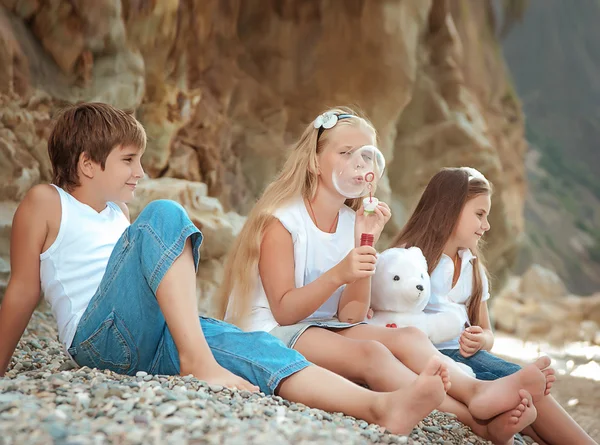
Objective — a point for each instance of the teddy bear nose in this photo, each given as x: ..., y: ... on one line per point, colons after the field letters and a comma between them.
x: 419, y: 287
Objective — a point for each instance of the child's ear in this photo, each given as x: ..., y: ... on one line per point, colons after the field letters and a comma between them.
x: 86, y: 165
x: 317, y: 170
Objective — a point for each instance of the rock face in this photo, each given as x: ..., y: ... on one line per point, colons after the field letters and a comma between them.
x: 537, y: 306
x: 223, y: 86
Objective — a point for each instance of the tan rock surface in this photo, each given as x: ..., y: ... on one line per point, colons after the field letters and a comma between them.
x: 536, y: 306
x: 222, y: 88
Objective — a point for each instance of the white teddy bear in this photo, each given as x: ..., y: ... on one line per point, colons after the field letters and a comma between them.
x: 400, y: 290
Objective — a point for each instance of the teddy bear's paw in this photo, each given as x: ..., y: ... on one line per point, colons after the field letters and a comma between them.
x: 444, y: 326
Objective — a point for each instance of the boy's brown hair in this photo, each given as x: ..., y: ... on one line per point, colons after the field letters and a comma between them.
x: 91, y: 128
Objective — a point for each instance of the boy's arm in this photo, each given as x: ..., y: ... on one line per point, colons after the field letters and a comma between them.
x: 29, y: 231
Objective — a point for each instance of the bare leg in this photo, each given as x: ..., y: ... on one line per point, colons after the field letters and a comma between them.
x: 379, y: 369
x: 555, y: 426
x: 397, y: 411
x: 176, y: 296
x: 485, y: 399
x: 529, y: 431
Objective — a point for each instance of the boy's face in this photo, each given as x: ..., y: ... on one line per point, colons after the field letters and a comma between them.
x: 122, y: 171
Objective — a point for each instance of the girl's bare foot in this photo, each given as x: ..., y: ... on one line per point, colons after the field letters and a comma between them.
x: 501, y: 430
x: 401, y: 410
x: 499, y: 396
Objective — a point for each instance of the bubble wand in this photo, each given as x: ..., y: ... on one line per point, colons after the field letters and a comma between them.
x: 369, y: 204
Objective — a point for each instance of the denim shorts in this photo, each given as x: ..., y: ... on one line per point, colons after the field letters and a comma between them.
x: 123, y: 328
x: 485, y: 365
x: 290, y: 334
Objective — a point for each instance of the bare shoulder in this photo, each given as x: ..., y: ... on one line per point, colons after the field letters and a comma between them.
x: 276, y: 233
x: 41, y: 201
x: 34, y: 227
x: 38, y: 216
x: 125, y: 209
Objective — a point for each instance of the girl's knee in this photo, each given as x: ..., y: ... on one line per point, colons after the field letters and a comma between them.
x: 372, y: 354
x: 410, y: 333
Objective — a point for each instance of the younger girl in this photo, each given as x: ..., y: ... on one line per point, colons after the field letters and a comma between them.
x: 298, y: 272
x: 448, y: 224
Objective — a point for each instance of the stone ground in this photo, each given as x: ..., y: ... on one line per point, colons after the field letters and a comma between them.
x: 45, y: 400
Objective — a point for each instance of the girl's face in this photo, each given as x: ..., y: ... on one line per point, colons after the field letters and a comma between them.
x: 473, y: 222
x: 340, y: 158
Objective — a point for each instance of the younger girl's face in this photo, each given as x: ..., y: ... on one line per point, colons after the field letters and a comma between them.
x: 339, y: 150
x: 473, y: 222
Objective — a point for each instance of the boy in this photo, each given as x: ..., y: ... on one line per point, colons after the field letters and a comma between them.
x: 124, y: 295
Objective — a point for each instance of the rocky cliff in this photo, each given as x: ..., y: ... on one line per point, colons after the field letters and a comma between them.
x: 222, y: 86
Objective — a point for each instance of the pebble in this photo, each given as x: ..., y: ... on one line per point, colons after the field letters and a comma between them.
x: 432, y: 429
x: 46, y: 398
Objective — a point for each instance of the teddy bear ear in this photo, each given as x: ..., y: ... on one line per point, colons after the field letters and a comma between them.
x: 418, y: 255
x: 416, y: 251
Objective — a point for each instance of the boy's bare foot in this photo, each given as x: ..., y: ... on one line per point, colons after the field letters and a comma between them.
x: 499, y: 396
x: 401, y: 410
x: 543, y: 363
x: 501, y: 429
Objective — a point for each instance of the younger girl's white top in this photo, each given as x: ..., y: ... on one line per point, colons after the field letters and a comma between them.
x: 443, y: 294
x: 315, y: 252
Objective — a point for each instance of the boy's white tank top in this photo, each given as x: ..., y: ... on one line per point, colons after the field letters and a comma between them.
x: 315, y: 252
x: 73, y: 266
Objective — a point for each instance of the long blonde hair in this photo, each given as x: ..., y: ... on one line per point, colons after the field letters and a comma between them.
x: 298, y: 176
x: 435, y: 219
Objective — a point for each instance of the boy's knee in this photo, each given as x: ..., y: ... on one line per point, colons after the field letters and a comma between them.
x: 164, y: 207
x: 163, y: 210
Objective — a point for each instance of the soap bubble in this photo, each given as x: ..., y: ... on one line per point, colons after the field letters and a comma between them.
x: 358, y: 171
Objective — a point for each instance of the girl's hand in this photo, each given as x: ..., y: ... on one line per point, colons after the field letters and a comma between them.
x: 371, y: 223
x: 359, y: 263
x: 471, y: 340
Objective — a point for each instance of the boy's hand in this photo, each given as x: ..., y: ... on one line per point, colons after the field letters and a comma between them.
x: 221, y: 376
x: 471, y: 340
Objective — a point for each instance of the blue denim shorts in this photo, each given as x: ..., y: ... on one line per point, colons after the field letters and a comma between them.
x: 123, y: 328
x: 485, y: 365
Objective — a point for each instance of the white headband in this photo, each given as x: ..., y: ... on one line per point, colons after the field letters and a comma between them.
x: 475, y: 174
